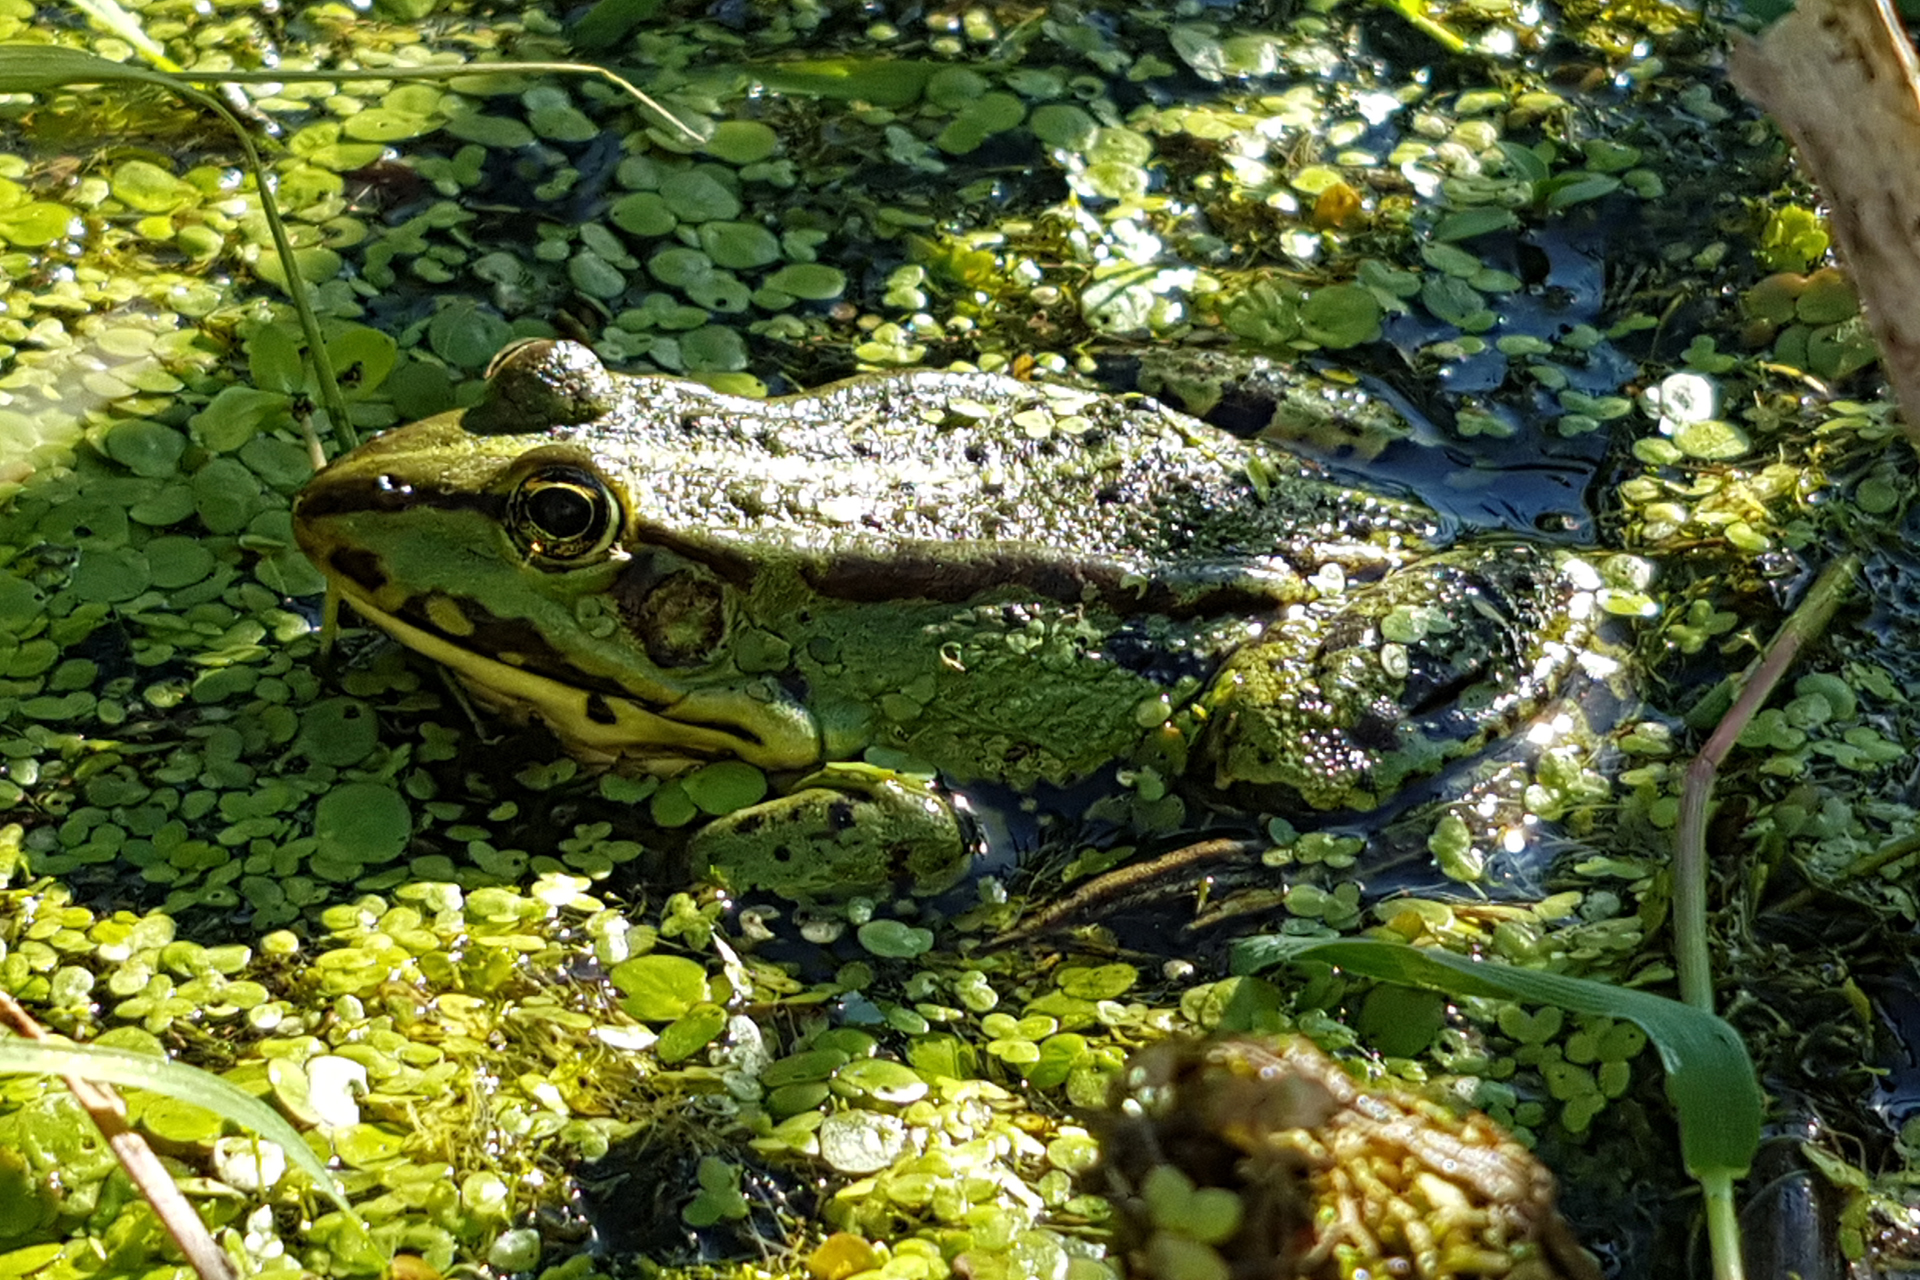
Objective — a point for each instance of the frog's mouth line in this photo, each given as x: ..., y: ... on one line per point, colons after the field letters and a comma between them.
x: 695, y: 725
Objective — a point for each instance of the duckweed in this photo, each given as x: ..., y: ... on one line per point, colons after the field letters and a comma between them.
x: 423, y: 939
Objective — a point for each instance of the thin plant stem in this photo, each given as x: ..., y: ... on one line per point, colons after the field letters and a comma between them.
x: 452, y: 72
x: 1690, y: 857
x: 1723, y: 1227
x: 331, y: 398
x: 1435, y: 31
x: 1887, y: 854
x: 1696, y: 794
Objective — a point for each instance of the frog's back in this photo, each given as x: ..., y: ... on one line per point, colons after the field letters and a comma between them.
x: 890, y: 460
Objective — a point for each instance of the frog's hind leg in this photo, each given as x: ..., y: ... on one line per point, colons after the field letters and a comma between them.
x: 1340, y: 708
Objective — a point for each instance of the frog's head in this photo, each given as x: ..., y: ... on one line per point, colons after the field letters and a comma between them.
x: 500, y: 540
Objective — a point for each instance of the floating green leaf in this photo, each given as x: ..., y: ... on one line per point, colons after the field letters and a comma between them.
x: 148, y: 188
x: 110, y: 574
x: 145, y: 448
x: 338, y: 731
x: 1098, y: 982
x: 496, y: 133
x: 595, y: 276
x: 1267, y: 314
x: 1456, y: 302
x: 714, y: 348
x: 894, y: 940
x: 463, y: 334
x: 178, y: 562
x: 1340, y: 316
x: 553, y: 116
x: 884, y: 82
x: 35, y: 225
x: 882, y: 1080
x: 644, y: 213
x: 234, y: 415
x: 363, y: 357
x: 1061, y: 124
x: 739, y: 244
x: 660, y: 988
x: 1827, y: 299
x: 226, y: 495
x: 362, y: 822
x: 992, y: 113
x: 1467, y: 223
x: 1563, y: 191
x: 611, y: 21
x: 742, y: 142
x: 698, y: 196
x: 813, y: 281
x: 691, y: 1032
x: 679, y: 266
x: 725, y: 785
x: 1710, y: 439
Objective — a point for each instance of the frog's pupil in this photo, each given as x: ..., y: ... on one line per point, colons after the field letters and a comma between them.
x: 561, y: 511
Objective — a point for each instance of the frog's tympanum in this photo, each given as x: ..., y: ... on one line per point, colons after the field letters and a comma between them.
x: 1007, y: 581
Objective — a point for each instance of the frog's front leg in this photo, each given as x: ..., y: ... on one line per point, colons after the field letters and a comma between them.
x: 1342, y: 703
x: 847, y: 829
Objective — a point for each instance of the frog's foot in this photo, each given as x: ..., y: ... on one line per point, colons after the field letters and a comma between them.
x: 848, y: 829
x: 1413, y: 673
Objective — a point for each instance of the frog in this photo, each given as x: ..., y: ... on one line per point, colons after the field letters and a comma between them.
x: 1002, y: 581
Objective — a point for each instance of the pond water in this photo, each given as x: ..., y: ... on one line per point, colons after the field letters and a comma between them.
x: 1536, y: 266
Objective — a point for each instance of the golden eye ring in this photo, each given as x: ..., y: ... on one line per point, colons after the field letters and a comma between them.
x: 563, y: 514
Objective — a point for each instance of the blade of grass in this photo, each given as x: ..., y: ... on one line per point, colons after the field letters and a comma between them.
x: 128, y: 28
x: 1710, y: 1078
x: 143, y: 1167
x: 175, y: 1080
x: 1690, y: 938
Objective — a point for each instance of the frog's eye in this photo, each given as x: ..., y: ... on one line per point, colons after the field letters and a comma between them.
x: 563, y: 514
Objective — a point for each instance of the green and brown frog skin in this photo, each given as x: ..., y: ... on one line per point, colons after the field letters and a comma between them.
x: 1007, y: 581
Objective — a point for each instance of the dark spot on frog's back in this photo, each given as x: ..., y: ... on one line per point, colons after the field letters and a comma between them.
x: 1135, y: 648
x: 1374, y: 731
